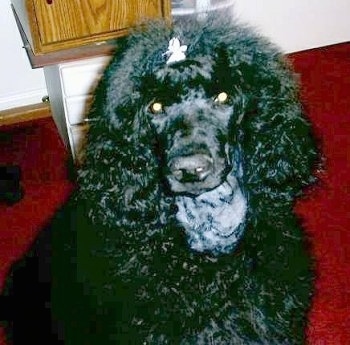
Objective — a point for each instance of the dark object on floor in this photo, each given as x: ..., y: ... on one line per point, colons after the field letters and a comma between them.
x: 11, y: 190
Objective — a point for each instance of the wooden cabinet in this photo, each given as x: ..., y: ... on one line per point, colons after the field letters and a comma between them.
x: 51, y: 25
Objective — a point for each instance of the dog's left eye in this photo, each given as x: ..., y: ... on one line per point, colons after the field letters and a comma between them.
x: 221, y: 98
x: 156, y: 108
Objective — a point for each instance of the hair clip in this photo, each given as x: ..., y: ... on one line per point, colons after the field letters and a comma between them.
x: 176, y: 51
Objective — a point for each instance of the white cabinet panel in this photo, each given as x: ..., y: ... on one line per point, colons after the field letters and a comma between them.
x: 76, y: 108
x: 77, y: 136
x: 70, y: 87
x: 80, y: 78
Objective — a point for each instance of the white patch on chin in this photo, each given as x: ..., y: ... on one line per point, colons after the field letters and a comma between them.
x: 214, y: 220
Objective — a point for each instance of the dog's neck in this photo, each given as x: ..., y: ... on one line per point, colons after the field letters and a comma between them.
x: 214, y: 221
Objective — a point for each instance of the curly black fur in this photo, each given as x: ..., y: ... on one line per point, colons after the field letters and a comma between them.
x: 139, y: 280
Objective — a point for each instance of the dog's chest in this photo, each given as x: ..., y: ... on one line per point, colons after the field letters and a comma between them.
x: 213, y: 221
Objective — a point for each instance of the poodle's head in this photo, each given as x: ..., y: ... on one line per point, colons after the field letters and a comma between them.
x: 194, y: 112
x: 191, y: 124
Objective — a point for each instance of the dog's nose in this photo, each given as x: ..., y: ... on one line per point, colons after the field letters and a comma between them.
x: 191, y: 168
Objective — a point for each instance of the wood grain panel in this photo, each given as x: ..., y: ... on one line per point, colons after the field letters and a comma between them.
x: 50, y: 26
x: 64, y: 20
x: 25, y: 113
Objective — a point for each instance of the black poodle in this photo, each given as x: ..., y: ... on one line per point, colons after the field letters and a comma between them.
x: 182, y: 231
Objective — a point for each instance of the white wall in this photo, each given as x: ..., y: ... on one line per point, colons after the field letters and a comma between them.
x: 293, y: 24
x: 298, y: 24
x: 19, y: 84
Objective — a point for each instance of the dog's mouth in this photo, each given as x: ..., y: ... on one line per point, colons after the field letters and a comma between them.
x: 196, y: 173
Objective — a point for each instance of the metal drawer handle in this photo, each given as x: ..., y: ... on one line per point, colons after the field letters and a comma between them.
x: 88, y: 120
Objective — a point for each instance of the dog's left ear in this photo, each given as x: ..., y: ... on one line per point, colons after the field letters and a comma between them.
x: 278, y: 148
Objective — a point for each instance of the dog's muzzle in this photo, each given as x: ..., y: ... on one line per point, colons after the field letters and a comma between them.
x: 195, y: 173
x: 194, y: 168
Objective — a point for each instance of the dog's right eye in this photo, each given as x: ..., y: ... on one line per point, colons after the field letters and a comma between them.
x: 156, y: 108
x: 221, y: 98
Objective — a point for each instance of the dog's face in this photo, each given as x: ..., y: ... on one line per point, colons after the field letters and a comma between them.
x: 213, y: 116
x: 191, y: 117
x: 192, y: 109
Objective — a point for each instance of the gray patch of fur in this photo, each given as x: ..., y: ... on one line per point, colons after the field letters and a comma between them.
x: 214, y: 220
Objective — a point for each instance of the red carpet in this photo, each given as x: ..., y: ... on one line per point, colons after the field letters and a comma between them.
x: 36, y: 147
x: 325, y: 80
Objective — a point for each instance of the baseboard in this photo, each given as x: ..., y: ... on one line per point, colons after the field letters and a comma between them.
x: 25, y: 113
x: 15, y: 100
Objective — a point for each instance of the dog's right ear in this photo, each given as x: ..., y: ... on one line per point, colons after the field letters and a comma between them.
x: 120, y: 175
